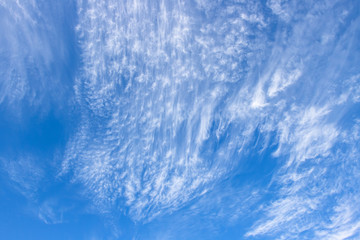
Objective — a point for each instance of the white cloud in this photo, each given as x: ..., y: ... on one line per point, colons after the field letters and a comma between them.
x: 50, y: 213
x: 153, y: 92
x: 281, y: 80
x: 33, y: 54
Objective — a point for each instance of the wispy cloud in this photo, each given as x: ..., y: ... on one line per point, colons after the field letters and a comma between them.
x: 33, y: 54
x: 24, y: 174
x: 171, y: 95
x: 50, y: 213
x: 157, y: 87
x: 316, y: 147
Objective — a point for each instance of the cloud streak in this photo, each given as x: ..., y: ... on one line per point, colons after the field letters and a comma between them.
x: 172, y: 95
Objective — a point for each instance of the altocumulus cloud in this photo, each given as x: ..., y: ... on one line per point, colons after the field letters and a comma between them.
x: 171, y: 92
x: 177, y: 99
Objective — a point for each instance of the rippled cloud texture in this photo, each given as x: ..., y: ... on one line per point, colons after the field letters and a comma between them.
x: 185, y: 119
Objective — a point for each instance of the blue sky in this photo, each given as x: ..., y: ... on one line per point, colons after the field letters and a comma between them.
x: 179, y: 119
